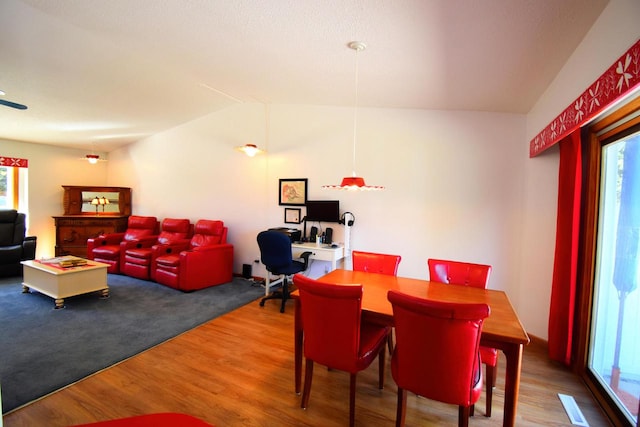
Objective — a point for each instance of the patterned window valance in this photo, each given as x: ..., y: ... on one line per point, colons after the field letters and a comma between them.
x: 14, y: 162
x: 619, y: 80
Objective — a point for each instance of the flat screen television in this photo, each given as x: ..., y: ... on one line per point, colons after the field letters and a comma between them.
x: 323, y: 210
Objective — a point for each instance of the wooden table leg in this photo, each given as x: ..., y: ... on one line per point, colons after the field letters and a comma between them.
x: 513, y: 354
x: 298, y: 344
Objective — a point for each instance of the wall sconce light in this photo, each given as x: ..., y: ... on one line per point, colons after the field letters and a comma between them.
x: 93, y: 158
x: 250, y: 149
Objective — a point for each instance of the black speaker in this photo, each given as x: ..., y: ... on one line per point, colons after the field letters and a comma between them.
x: 328, y: 235
x: 246, y: 271
x: 314, y: 233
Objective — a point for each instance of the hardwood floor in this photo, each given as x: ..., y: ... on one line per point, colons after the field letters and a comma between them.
x: 238, y: 370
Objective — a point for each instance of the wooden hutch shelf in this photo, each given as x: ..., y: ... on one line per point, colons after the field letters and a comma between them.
x: 82, y: 220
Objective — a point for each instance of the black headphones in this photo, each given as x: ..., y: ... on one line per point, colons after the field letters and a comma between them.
x: 350, y: 222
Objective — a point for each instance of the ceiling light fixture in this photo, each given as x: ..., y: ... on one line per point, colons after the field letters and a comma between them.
x: 250, y: 149
x: 354, y: 182
x: 92, y: 158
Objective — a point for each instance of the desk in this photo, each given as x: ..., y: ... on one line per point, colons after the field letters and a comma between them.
x: 501, y: 330
x: 320, y: 252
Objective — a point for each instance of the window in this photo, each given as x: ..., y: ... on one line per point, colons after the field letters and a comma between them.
x: 614, y: 351
x: 609, y: 349
x: 13, y: 184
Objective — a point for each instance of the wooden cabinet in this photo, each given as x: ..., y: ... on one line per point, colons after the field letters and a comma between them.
x: 89, y: 212
x: 72, y: 231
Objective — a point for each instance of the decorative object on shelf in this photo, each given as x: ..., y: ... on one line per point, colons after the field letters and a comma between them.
x: 354, y: 182
x: 292, y: 216
x: 293, y: 192
x: 250, y: 149
x: 99, y: 201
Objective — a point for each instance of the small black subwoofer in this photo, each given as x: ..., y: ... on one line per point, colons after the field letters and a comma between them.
x: 246, y: 271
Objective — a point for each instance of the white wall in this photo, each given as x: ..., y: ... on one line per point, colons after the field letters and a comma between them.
x: 615, y: 31
x: 49, y: 169
x: 454, y: 180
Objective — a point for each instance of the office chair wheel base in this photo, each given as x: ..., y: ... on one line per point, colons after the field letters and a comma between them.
x: 262, y: 303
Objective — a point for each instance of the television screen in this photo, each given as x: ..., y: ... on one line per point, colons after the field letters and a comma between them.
x: 323, y: 210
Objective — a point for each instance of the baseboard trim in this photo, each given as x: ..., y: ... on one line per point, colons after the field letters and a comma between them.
x: 537, y: 341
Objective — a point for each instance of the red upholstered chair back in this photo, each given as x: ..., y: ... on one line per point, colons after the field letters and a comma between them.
x: 451, y: 374
x: 208, y: 232
x: 331, y: 319
x: 174, y: 229
x: 459, y: 273
x: 376, y: 263
x: 141, y: 226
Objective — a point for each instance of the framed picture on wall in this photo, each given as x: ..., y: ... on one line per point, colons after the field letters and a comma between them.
x: 293, y: 192
x: 292, y: 216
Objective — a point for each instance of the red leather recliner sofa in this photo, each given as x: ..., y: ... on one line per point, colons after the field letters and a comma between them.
x: 206, y: 260
x: 139, y: 254
x: 107, y: 247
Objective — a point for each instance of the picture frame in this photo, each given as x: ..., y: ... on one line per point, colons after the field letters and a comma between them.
x: 292, y: 192
x: 292, y: 215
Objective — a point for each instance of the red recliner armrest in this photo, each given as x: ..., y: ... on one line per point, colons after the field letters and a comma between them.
x: 103, y: 240
x: 143, y: 242
x: 171, y: 248
x: 205, y: 266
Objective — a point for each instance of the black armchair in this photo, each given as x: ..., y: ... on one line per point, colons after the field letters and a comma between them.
x: 14, y: 246
x: 275, y: 254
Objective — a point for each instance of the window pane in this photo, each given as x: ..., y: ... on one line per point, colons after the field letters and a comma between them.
x: 5, y: 199
x: 614, y: 353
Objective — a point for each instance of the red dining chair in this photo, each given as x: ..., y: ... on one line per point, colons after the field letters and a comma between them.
x: 453, y: 374
x: 477, y: 276
x: 164, y: 419
x: 335, y: 335
x: 377, y: 263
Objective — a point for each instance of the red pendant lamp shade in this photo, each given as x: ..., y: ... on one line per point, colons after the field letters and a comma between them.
x: 354, y: 182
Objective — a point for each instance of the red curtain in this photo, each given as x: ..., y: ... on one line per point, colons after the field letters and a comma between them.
x: 565, y: 268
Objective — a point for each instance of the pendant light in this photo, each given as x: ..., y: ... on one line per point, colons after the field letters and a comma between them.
x: 354, y: 182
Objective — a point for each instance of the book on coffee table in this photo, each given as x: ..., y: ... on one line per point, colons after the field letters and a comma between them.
x: 65, y: 261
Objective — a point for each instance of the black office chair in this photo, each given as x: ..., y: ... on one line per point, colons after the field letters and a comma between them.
x: 275, y: 254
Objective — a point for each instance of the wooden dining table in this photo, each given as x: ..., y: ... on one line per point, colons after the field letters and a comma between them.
x: 502, y: 329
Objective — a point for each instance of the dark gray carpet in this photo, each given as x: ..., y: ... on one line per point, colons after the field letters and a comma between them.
x: 42, y: 349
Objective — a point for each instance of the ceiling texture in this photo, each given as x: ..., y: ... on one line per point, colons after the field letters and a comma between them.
x: 99, y: 74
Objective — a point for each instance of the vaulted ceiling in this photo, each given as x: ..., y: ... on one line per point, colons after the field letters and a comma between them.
x: 104, y: 73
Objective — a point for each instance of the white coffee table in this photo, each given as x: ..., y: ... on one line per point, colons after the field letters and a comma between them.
x: 60, y: 283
